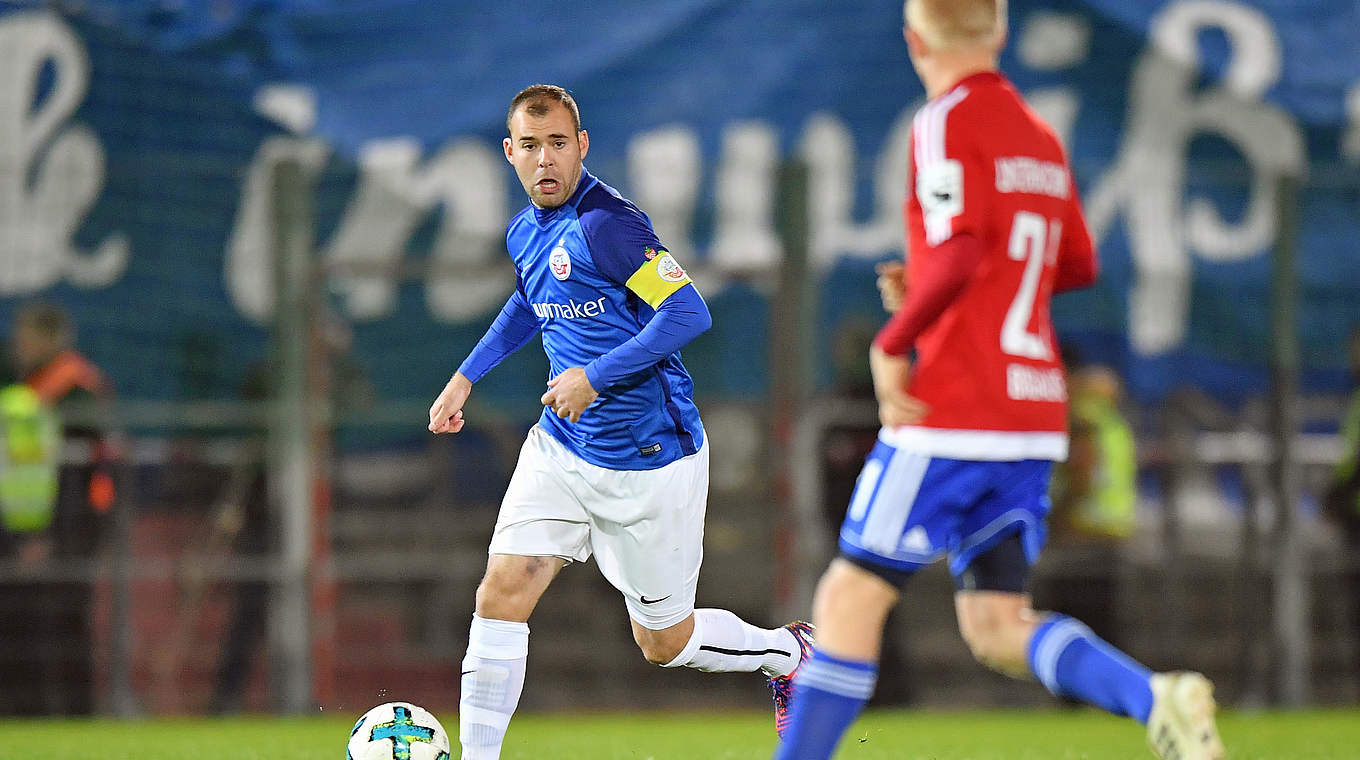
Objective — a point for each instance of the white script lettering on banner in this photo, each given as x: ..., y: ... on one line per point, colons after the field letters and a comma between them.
x: 1147, y: 183
x: 51, y: 171
x: 467, y: 273
x: 249, y: 263
x: 744, y: 240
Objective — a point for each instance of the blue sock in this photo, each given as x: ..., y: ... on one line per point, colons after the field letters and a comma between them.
x: 828, y: 694
x: 1071, y: 661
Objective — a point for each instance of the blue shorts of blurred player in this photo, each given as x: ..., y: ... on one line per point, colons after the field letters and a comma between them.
x: 910, y: 510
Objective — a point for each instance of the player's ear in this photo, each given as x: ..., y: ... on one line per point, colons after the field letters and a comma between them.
x: 916, y: 45
x: 1000, y: 43
x: 509, y: 149
x: 583, y: 140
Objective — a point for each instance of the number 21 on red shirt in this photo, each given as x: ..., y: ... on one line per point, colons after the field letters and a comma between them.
x: 1034, y: 239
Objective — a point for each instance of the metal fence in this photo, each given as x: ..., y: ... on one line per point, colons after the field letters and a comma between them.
x: 294, y: 552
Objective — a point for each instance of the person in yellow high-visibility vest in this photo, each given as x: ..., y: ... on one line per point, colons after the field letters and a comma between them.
x: 30, y: 454
x: 46, y: 636
x: 1095, y: 492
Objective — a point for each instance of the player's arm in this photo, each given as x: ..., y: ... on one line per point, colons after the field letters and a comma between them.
x: 680, y: 318
x: 626, y: 250
x: 513, y: 327
x: 937, y: 278
x: 950, y: 183
x: 951, y: 178
x: 1077, y: 262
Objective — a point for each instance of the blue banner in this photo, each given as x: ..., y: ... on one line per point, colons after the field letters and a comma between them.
x: 137, y: 140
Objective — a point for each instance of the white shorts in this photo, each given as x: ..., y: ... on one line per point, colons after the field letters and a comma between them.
x: 645, y: 527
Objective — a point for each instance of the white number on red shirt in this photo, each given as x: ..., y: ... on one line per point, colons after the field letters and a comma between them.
x: 1033, y: 239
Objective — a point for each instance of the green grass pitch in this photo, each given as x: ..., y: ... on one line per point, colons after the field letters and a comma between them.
x: 882, y: 735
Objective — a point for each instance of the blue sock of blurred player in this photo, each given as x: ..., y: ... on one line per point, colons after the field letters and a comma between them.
x: 828, y: 695
x: 1071, y: 661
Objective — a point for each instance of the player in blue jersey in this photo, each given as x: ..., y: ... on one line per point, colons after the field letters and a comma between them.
x: 617, y: 465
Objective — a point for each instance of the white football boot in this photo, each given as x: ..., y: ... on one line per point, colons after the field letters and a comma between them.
x: 1181, y: 726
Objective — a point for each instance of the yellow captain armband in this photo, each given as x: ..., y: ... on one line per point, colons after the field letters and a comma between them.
x: 658, y: 277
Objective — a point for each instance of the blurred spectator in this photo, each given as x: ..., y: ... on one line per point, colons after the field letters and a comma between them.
x: 1342, y: 502
x: 246, y: 518
x: 1095, y: 491
x: 47, y: 642
x: 1094, y: 495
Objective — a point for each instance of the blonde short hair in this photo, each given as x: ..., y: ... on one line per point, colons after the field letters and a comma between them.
x: 956, y: 23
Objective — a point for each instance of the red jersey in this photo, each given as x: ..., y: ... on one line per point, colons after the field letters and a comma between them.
x: 987, y: 172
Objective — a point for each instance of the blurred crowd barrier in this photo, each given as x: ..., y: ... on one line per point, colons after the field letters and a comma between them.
x: 183, y: 579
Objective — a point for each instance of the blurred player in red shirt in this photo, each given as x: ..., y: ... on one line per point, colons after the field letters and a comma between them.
x: 972, y: 427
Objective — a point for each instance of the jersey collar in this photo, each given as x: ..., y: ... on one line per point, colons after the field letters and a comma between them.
x: 977, y: 79
x: 545, y: 216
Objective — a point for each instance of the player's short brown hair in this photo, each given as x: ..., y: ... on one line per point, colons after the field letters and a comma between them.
x: 538, y: 98
x: 956, y: 23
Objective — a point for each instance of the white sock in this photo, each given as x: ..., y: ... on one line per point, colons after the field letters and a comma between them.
x: 493, y: 677
x: 724, y: 643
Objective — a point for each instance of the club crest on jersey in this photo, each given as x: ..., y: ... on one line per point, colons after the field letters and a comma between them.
x: 651, y: 253
x: 939, y: 187
x: 559, y: 261
x: 668, y: 269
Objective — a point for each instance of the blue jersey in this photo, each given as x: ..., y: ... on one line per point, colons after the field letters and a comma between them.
x: 593, y: 272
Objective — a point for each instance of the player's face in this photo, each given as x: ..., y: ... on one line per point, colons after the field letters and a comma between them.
x: 546, y: 152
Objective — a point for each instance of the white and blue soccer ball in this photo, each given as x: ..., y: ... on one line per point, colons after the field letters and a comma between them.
x: 398, y: 731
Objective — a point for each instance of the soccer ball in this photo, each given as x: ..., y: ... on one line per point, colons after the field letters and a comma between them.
x: 397, y: 731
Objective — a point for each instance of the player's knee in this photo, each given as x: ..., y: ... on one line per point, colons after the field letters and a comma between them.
x: 659, y: 647
x: 828, y: 598
x: 510, y: 593
x: 496, y: 602
x: 997, y: 643
x: 659, y: 654
x: 847, y: 591
x: 999, y: 654
x: 984, y: 646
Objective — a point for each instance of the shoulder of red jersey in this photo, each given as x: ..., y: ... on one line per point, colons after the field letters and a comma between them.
x: 938, y: 173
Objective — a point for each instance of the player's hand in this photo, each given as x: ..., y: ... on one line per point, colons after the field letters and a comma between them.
x: 892, y: 285
x: 570, y: 393
x: 446, y: 413
x: 890, y: 374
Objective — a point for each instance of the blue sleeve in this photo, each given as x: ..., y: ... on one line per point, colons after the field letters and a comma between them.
x: 513, y: 327
x: 680, y: 318
x: 619, y: 235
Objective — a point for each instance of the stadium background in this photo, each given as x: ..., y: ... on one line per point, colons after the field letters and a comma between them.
x: 158, y: 160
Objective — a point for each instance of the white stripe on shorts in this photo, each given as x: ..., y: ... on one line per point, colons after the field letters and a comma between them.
x: 892, y: 504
